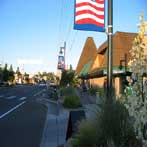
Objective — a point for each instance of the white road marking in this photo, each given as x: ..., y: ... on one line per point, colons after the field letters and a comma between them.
x: 10, y: 97
x: 22, y: 98
x: 39, y: 92
x: 11, y: 110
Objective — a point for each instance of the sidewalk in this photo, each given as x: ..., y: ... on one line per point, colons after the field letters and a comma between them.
x: 54, y: 133
x: 56, y: 125
x: 88, y: 102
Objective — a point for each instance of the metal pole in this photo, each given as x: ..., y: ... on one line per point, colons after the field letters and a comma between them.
x: 110, y: 48
x: 64, y: 54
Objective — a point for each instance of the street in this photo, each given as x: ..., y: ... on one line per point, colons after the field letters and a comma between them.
x: 22, y: 117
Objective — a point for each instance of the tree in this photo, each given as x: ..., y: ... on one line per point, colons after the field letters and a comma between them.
x: 11, y: 73
x: 11, y: 68
x: 5, y: 73
x: 18, y: 71
x: 26, y: 78
x: 136, y: 103
x: 1, y: 74
x: 70, y: 67
x: 67, y: 77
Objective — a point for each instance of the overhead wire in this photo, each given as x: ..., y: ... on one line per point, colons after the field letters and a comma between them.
x: 71, y: 34
x: 73, y: 40
x: 61, y: 20
x: 68, y: 35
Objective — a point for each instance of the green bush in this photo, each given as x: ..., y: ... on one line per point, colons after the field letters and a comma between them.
x: 86, y: 136
x: 111, y: 125
x: 66, y: 91
x: 93, y: 90
x: 101, y: 91
x: 71, y: 101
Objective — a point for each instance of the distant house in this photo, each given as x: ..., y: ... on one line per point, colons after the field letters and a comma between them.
x: 18, y: 78
x: 92, y: 65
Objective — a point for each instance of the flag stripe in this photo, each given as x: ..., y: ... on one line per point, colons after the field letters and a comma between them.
x: 89, y: 8
x: 97, y: 4
x: 89, y: 12
x: 89, y: 21
x: 89, y: 4
x: 100, y: 1
x: 89, y: 16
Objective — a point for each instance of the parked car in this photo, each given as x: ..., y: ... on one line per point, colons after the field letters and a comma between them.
x: 3, y: 83
x: 42, y: 84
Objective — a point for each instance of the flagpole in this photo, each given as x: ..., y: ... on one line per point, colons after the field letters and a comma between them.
x: 110, y: 50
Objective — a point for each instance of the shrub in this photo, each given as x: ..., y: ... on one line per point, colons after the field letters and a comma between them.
x: 66, y: 91
x: 111, y: 126
x: 93, y: 90
x: 101, y: 91
x: 71, y: 101
x: 86, y: 136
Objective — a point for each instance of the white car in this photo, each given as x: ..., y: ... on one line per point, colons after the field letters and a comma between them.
x: 42, y: 84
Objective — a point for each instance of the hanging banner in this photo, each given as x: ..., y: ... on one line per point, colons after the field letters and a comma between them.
x: 89, y: 15
x: 61, y: 62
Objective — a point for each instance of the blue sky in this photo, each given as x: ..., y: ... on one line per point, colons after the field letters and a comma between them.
x: 36, y: 29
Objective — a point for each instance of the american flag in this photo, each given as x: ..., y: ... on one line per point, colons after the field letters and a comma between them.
x: 89, y: 15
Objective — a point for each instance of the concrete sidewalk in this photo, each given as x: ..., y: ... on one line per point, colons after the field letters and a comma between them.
x: 54, y: 133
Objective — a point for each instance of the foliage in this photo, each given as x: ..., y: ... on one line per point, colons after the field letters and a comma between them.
x: 18, y: 71
x: 101, y: 92
x: 116, y: 126
x: 93, y: 90
x: 67, y: 77
x: 87, y: 135
x: 110, y: 127
x: 71, y: 99
x: 136, y: 103
x: 26, y: 78
x: 66, y: 91
x: 7, y: 74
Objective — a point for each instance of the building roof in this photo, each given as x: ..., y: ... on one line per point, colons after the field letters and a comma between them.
x: 122, y: 43
x: 88, y: 54
x: 97, y: 61
x: 86, y: 68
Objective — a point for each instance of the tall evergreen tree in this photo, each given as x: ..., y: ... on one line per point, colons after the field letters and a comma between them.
x: 11, y: 68
x: 11, y: 73
x: 5, y: 73
x: 18, y: 71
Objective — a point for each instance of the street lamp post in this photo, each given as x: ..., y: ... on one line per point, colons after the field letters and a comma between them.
x: 63, y: 50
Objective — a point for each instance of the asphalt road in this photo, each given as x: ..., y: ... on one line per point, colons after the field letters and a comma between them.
x: 22, y: 117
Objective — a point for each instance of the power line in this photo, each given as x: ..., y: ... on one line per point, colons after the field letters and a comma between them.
x: 61, y: 19
x: 73, y: 40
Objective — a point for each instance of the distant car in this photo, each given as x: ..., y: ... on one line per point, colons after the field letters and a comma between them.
x: 52, y: 84
x: 42, y: 84
x: 3, y: 83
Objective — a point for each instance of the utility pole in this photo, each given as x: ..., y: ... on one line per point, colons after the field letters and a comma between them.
x: 110, y: 50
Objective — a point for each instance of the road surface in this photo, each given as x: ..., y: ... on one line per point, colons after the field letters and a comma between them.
x: 22, y: 117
